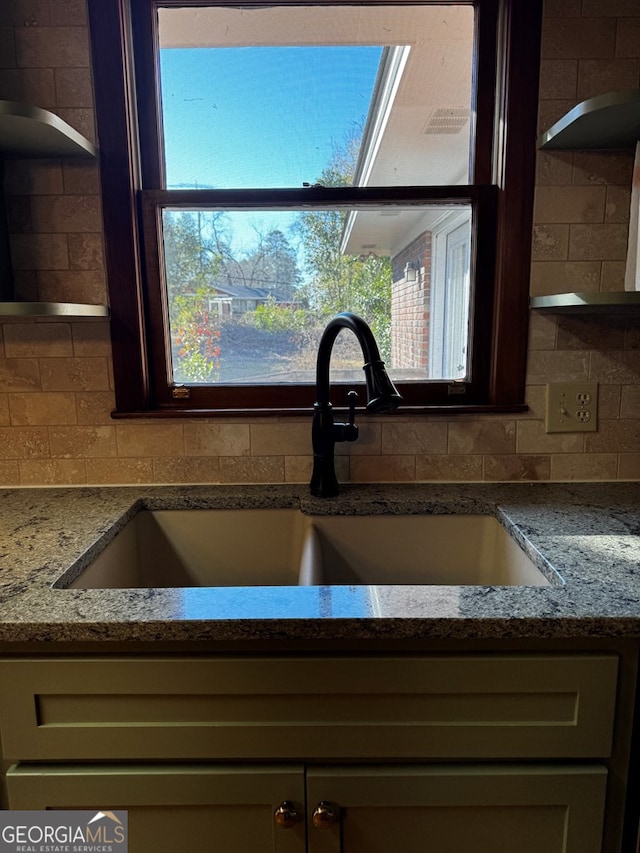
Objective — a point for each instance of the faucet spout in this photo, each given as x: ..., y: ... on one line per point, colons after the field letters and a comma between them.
x: 382, y: 396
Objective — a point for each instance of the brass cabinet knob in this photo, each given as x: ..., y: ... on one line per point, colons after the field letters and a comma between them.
x: 325, y: 815
x: 286, y: 816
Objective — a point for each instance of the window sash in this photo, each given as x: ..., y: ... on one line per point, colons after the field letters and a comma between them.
x: 223, y: 397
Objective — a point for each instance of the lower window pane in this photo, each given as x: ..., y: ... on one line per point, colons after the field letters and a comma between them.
x: 250, y: 292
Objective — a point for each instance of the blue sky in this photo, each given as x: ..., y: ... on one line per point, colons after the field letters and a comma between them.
x: 261, y: 116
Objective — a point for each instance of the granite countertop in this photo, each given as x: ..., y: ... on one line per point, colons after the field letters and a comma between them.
x: 588, y: 533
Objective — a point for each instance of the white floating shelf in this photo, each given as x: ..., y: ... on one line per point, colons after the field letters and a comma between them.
x: 64, y: 310
x: 27, y: 132
x: 606, y: 121
x: 611, y: 302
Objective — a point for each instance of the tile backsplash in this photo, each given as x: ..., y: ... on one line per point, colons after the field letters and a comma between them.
x: 56, y: 390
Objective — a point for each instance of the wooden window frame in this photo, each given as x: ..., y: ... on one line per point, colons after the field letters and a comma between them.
x: 501, y: 196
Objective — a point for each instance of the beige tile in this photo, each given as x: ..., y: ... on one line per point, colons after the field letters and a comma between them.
x: 51, y: 472
x: 62, y: 213
x: 618, y: 204
x: 25, y: 340
x: 602, y: 167
x: 33, y: 178
x: 187, y: 469
x: 536, y: 400
x: 550, y: 242
x: 598, y: 242
x: 73, y: 286
x: 39, y: 252
x: 91, y: 338
x: 219, y: 439
x: 485, y: 436
x: 297, y: 469
x: 252, y: 469
x: 119, y: 472
x: 68, y: 13
x: 629, y: 466
x: 7, y: 48
x: 628, y: 36
x: 277, y: 438
x: 426, y: 437
x: 5, y: 419
x: 42, y: 409
x: 367, y: 444
x: 630, y: 402
x: 74, y: 374
x: 609, y: 402
x: 506, y: 467
x: 582, y: 333
x: 554, y: 168
x: 24, y: 443
x: 75, y: 442
x: 632, y: 336
x: 549, y: 277
x: 598, y: 76
x: 558, y: 78
x: 86, y: 252
x: 578, y: 38
x: 25, y: 13
x: 19, y: 214
x: 584, y: 466
x: 614, y: 367
x: 140, y: 440
x: 95, y: 407
x: 382, y: 469
x: 532, y: 438
x: 52, y: 47
x: 545, y: 366
x: 439, y: 468
x: 73, y: 87
x: 19, y: 374
x: 569, y: 204
x: 9, y: 474
x: 542, y: 331
x: 562, y: 8
x: 612, y: 8
x: 614, y: 436
x: 612, y: 275
x: 30, y: 85
x: 81, y: 177
x: 25, y: 285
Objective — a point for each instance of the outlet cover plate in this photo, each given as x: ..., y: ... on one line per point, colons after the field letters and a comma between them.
x: 572, y: 407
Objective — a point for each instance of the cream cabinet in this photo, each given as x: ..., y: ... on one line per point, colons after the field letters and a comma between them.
x: 350, y: 809
x: 316, y: 753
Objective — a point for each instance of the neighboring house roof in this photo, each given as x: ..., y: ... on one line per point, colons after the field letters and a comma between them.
x: 260, y: 294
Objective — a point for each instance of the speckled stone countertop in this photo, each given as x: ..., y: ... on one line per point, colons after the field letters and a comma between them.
x: 589, y: 533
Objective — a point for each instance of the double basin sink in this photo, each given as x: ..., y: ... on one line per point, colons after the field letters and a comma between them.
x: 285, y: 547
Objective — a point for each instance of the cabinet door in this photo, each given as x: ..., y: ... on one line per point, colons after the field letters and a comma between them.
x: 456, y: 809
x: 175, y: 808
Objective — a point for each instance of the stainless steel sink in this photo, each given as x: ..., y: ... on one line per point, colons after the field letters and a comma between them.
x: 284, y: 547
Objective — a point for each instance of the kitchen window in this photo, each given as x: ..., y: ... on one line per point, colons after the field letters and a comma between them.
x: 264, y: 167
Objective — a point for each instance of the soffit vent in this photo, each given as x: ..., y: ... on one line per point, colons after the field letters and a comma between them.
x: 447, y: 120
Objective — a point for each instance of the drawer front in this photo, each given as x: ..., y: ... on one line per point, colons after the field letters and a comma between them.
x: 436, y: 707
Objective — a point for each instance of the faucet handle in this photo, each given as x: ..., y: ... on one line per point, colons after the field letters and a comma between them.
x: 352, y: 399
x: 348, y: 431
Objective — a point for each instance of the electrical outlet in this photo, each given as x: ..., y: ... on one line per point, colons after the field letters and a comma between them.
x: 572, y: 407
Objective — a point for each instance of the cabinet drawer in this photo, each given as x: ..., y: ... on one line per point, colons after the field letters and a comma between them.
x: 466, y: 706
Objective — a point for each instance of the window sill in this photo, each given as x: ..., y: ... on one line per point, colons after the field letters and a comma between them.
x: 472, y: 409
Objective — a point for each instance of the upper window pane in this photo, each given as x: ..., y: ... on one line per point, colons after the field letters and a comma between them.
x: 265, y: 97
